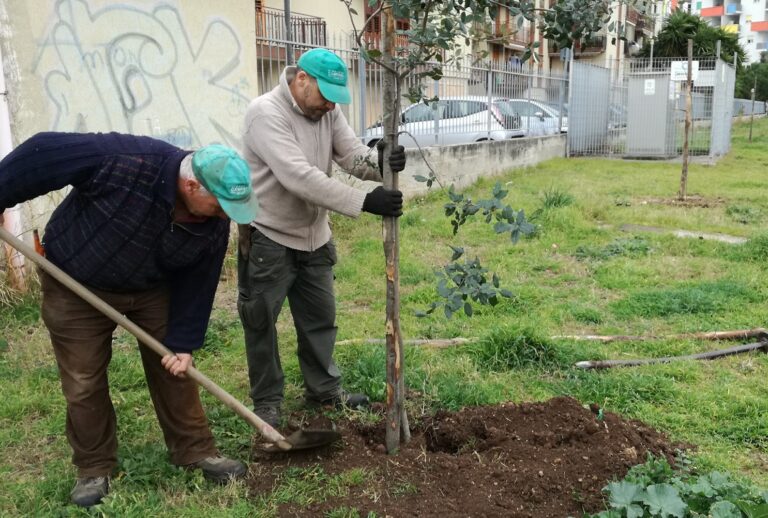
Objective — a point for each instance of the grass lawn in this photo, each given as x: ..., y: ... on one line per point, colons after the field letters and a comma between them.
x: 580, y: 274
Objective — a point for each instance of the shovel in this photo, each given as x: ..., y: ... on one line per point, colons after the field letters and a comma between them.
x: 299, y: 440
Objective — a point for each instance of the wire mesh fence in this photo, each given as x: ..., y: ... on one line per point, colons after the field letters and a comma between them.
x: 640, y: 113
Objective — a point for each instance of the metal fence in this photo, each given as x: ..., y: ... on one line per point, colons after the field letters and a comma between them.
x: 478, y: 101
x: 640, y: 113
x: 748, y: 107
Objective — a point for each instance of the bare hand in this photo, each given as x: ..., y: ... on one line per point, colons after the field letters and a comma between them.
x: 177, y: 364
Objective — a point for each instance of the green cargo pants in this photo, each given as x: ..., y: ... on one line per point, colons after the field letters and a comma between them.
x: 268, y: 273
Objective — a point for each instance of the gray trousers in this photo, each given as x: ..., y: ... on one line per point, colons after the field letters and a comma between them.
x: 268, y: 273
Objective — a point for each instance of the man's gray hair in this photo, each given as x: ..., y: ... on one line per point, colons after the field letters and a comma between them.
x: 186, y: 172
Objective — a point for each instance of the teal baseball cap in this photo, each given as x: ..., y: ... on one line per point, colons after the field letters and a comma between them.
x: 329, y: 71
x: 224, y: 173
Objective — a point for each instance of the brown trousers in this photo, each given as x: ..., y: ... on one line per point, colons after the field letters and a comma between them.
x: 82, y: 342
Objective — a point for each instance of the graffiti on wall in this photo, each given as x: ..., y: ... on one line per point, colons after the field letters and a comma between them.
x: 126, y: 69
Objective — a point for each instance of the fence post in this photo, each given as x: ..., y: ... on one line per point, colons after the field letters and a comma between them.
x: 490, y: 99
x: 435, y: 112
x: 752, y: 110
x: 288, y: 33
x: 570, y: 101
x: 361, y: 73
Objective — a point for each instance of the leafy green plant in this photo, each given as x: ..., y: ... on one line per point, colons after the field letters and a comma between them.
x: 460, y: 283
x: 505, y: 218
x: 656, y: 489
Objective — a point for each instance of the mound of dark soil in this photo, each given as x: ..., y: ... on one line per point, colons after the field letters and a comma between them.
x: 547, y: 460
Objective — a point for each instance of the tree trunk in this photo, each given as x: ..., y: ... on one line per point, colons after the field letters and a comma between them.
x: 688, y: 102
x: 397, y: 421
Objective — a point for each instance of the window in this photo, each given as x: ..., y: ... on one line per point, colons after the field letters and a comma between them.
x: 419, y: 113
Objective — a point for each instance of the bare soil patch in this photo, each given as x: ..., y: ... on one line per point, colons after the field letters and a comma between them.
x: 691, y: 200
x: 548, y: 459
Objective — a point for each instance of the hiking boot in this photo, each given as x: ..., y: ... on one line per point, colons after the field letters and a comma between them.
x: 269, y: 414
x: 220, y: 469
x: 89, y: 491
x: 341, y: 400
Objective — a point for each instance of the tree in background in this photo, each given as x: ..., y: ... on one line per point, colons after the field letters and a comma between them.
x: 672, y: 40
x: 753, y: 76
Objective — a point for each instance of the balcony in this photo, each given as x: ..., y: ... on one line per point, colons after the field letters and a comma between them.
x: 632, y: 16
x: 759, y: 26
x: 711, y: 12
x: 509, y: 34
x: 372, y: 39
x: 591, y: 47
x: 271, y: 35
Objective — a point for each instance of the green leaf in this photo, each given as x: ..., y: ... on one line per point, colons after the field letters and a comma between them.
x: 724, y: 509
x: 352, y: 11
x: 753, y: 510
x: 662, y: 499
x: 457, y: 252
x: 623, y: 494
x: 420, y: 178
x: 374, y: 53
x: 468, y: 309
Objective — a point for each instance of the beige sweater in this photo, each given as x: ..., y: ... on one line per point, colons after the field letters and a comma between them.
x: 290, y: 158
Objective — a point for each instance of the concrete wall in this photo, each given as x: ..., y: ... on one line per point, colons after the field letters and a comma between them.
x: 179, y: 70
x: 462, y: 165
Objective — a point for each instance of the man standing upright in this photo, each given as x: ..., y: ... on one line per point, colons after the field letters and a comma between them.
x: 292, y: 135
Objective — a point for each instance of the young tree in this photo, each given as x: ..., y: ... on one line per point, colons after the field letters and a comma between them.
x: 436, y: 31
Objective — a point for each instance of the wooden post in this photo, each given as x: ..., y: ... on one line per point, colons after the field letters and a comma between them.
x: 688, y: 103
x: 396, y: 419
x: 752, y: 111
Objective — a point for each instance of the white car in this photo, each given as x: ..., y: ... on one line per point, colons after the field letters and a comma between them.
x: 452, y: 120
x: 538, y: 118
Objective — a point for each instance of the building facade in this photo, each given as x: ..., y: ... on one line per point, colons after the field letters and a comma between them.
x: 747, y: 18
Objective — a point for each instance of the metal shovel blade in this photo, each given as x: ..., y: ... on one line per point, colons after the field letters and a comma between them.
x: 304, y: 440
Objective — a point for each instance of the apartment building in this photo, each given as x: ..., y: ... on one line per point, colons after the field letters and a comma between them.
x: 747, y: 18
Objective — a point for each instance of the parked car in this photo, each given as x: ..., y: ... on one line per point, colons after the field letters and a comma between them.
x: 452, y: 120
x: 538, y: 118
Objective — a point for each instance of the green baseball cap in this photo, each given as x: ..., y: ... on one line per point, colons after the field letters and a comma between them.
x: 227, y: 176
x: 330, y: 72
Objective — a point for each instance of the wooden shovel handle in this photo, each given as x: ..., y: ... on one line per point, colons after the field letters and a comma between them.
x: 269, y: 433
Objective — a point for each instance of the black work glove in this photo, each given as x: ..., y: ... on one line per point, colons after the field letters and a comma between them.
x: 396, y: 158
x: 384, y: 202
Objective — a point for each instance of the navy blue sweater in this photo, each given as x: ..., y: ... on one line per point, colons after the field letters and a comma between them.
x: 114, y: 231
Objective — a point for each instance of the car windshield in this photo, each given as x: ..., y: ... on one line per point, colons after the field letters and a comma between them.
x: 505, y: 108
